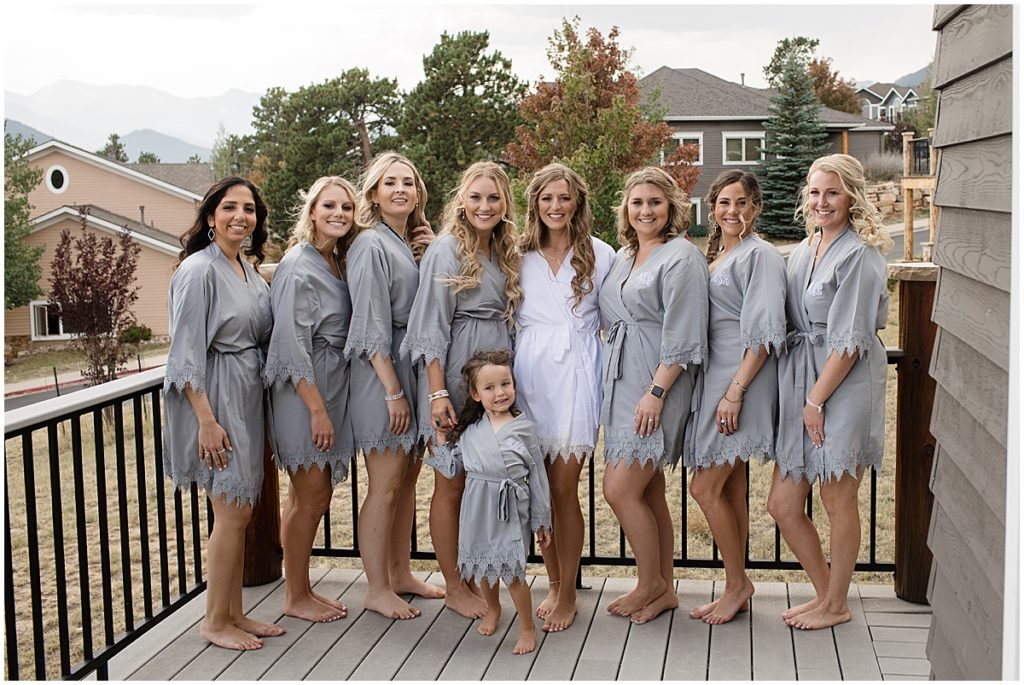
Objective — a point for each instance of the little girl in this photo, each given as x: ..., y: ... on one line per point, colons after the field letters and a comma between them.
x: 506, y: 491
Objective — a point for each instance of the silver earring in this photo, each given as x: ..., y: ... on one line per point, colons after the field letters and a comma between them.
x: 211, y: 234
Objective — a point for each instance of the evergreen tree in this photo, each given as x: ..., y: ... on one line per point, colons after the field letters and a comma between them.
x: 794, y: 138
x: 147, y: 158
x: 194, y: 159
x: 463, y: 111
x: 21, y: 260
x: 114, y: 149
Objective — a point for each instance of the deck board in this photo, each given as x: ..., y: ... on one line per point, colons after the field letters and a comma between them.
x: 885, y: 639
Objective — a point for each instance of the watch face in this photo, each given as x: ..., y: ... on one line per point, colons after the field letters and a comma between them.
x: 657, y: 391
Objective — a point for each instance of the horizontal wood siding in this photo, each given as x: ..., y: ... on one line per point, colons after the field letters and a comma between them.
x: 960, y: 101
x: 976, y: 175
x: 976, y: 313
x: 92, y: 185
x: 974, y: 38
x: 863, y: 144
x: 973, y: 74
x: 975, y: 243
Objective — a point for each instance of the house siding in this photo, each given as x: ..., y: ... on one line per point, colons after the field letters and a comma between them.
x: 153, y: 274
x: 971, y: 360
x: 90, y: 184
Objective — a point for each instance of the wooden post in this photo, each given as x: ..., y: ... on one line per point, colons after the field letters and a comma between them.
x: 933, y: 170
x: 845, y: 136
x: 263, y: 553
x: 915, y: 446
x: 908, y: 198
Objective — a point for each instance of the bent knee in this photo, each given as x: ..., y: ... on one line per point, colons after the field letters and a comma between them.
x: 785, y: 509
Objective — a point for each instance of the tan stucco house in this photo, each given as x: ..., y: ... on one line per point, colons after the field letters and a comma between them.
x: 156, y: 201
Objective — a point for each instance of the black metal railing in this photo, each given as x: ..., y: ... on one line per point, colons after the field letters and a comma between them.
x: 127, y: 554
x: 99, y: 548
x: 920, y: 156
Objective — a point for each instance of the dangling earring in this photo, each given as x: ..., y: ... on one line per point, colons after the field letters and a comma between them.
x: 211, y: 234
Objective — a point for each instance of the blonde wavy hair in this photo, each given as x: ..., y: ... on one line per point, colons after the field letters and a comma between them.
x: 504, y: 238
x: 678, y: 206
x: 864, y: 216
x: 369, y: 211
x: 583, y: 261
x: 304, y: 230
x: 725, y: 179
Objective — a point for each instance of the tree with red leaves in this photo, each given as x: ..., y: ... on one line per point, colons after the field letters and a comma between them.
x: 591, y: 118
x: 93, y: 284
x: 832, y: 89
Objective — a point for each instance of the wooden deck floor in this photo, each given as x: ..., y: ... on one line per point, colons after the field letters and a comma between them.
x: 886, y: 639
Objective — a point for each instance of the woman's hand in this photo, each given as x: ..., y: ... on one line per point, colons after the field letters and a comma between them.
x: 322, y: 429
x: 214, y: 445
x: 814, y: 422
x: 398, y: 415
x: 647, y: 416
x: 727, y: 416
x: 421, y: 235
x: 442, y: 413
x: 543, y: 538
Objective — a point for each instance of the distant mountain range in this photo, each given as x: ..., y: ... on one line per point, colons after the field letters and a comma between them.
x: 913, y: 79
x: 166, y: 148
x: 147, y: 119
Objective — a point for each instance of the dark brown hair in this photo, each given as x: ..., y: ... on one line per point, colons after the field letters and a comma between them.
x: 197, y: 237
x: 727, y: 178
x: 473, y: 409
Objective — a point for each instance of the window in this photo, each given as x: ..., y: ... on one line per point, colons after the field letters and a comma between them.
x: 694, y: 211
x: 742, y: 147
x: 46, y: 323
x: 57, y: 179
x: 685, y: 138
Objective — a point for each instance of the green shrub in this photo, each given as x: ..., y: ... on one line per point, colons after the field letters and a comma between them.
x: 698, y: 231
x: 139, y: 333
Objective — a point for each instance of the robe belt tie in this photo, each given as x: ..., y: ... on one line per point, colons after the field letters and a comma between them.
x: 243, y: 350
x: 794, y: 389
x: 558, y: 339
x: 508, y: 488
x: 617, y: 338
x: 320, y: 343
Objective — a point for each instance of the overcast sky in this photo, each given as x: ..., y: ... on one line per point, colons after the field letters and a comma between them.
x: 204, y: 49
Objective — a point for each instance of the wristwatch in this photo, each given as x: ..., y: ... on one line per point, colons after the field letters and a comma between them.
x: 658, y: 391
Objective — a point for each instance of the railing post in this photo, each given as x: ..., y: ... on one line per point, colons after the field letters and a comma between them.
x: 915, y: 446
x: 908, y: 197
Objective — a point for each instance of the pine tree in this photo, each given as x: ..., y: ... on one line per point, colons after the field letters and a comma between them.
x: 794, y: 138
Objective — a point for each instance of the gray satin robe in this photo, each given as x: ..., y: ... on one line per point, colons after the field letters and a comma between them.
x: 506, y: 497
x: 219, y: 328
x: 311, y: 315
x: 451, y: 327
x: 657, y: 314
x: 747, y: 295
x: 839, y: 305
x: 382, y: 278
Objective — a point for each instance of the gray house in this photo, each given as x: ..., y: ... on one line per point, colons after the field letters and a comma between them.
x: 975, y: 527
x: 725, y: 120
x: 886, y: 101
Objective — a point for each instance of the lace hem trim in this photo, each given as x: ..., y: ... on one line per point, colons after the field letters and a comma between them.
x: 492, y: 566
x: 770, y: 339
x: 540, y: 519
x: 848, y: 344
x: 424, y: 350
x: 180, y: 377
x: 689, y: 355
x: 367, y: 347
x: 553, y: 449
x: 760, y: 450
x: 282, y: 373
x: 239, y: 493
x: 339, y: 463
x: 846, y: 464
x: 405, y: 441
x: 635, y: 450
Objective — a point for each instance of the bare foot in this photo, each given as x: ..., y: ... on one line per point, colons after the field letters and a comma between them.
x: 411, y: 585
x: 789, y: 614
x: 667, y: 601
x: 705, y: 609
x: 229, y: 636
x: 730, y: 603
x: 819, y: 618
x: 549, y: 602
x: 636, y: 599
x: 490, y: 621
x: 331, y: 603
x: 527, y: 641
x: 462, y: 600
x: 390, y: 605
x: 258, y: 628
x: 309, y: 608
x: 560, y: 617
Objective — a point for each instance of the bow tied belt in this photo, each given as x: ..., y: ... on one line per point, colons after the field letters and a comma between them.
x: 616, y: 340
x: 509, y: 489
x: 557, y: 340
x: 320, y: 343
x: 801, y: 376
